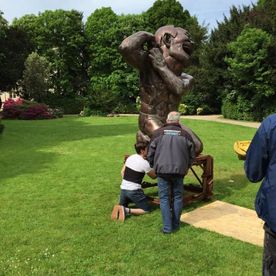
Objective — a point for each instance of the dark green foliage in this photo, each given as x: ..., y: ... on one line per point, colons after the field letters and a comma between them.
x: 249, y: 85
x: 113, y: 85
x: 69, y: 105
x: 59, y: 36
x: 210, y: 76
x: 213, y: 80
x: 166, y: 12
x: 14, y: 49
x: 86, y: 67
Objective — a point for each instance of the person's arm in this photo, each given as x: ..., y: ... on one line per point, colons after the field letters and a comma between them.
x: 257, y: 156
x: 151, y: 152
x: 152, y: 174
x: 123, y: 170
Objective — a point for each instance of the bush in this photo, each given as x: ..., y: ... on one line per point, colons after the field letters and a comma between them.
x: 27, y: 110
x: 67, y: 104
x: 86, y: 112
x: 138, y: 103
x: 240, y: 109
x: 127, y: 108
x: 182, y: 109
x: 35, y: 111
x: 56, y: 112
x: 199, y: 111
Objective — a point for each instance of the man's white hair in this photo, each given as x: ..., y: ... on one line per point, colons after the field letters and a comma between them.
x: 173, y: 117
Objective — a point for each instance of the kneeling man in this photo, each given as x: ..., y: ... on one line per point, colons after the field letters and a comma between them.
x: 133, y: 172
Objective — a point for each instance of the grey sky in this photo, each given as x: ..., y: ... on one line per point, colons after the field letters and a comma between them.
x: 207, y: 11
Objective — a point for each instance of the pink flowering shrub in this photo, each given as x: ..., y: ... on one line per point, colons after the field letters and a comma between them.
x: 26, y: 110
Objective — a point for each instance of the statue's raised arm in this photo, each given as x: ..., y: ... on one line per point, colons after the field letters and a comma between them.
x: 134, y: 48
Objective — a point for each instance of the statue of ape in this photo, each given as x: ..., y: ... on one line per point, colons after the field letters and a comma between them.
x: 160, y: 59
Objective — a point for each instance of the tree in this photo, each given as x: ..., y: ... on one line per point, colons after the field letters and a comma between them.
x: 3, y: 34
x: 113, y: 84
x: 249, y: 86
x: 210, y: 75
x: 36, y: 77
x: 59, y: 36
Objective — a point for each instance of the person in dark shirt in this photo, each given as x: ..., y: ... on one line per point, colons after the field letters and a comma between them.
x: 171, y: 153
x: 260, y: 164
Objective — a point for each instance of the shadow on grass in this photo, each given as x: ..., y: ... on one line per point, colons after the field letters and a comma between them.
x: 26, y: 145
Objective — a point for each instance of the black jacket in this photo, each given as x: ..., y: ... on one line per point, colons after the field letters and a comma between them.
x: 171, y: 150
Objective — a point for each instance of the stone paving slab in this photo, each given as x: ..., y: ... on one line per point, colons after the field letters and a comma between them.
x: 229, y: 220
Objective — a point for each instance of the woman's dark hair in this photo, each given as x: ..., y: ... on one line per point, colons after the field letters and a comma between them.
x: 140, y: 146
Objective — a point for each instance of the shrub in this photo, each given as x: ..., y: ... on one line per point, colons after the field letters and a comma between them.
x: 56, y: 112
x: 27, y: 110
x: 182, y: 109
x: 138, y: 103
x: 67, y: 104
x: 35, y: 111
x: 240, y: 109
x: 199, y: 111
x: 125, y: 108
x: 86, y: 112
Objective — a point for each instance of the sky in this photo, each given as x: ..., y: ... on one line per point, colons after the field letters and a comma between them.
x: 208, y: 12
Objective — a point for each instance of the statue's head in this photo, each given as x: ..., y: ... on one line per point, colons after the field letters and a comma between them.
x: 176, y: 46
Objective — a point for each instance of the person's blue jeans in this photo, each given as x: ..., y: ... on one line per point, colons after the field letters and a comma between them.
x: 170, y: 214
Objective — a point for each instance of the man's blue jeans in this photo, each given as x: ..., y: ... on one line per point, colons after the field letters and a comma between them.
x: 170, y: 214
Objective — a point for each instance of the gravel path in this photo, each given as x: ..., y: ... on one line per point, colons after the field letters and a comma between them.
x: 219, y: 118
x: 214, y: 118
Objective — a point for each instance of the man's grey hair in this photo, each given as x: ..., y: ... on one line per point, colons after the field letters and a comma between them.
x: 173, y: 117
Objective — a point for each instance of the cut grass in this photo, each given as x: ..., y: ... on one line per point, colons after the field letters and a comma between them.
x: 59, y: 181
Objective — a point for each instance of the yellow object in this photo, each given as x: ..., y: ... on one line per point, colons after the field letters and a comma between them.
x: 241, y: 147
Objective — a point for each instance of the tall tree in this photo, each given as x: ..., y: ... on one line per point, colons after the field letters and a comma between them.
x: 3, y: 34
x: 14, y: 49
x: 36, y: 77
x: 249, y: 88
x: 210, y: 77
x: 59, y: 36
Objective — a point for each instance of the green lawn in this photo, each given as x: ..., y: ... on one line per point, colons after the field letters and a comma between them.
x: 59, y: 181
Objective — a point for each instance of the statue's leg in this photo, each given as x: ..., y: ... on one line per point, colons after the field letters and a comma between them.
x: 147, y: 124
x: 198, y: 143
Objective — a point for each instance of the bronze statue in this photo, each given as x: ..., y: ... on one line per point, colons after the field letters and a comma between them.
x: 160, y: 58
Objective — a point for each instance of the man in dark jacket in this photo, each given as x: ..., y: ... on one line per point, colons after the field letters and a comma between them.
x: 171, y: 153
x: 261, y: 164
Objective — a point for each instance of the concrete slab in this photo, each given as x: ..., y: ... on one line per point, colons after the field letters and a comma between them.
x: 229, y: 220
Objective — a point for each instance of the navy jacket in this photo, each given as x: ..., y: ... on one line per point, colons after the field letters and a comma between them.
x: 261, y: 164
x: 171, y: 150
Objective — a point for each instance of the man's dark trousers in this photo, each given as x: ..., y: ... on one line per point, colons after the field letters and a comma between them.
x: 269, y: 258
x: 170, y: 214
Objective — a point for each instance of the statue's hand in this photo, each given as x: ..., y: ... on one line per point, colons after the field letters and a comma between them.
x: 157, y: 58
